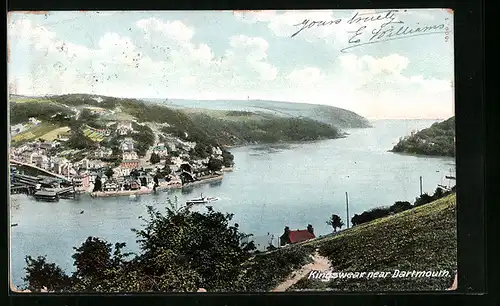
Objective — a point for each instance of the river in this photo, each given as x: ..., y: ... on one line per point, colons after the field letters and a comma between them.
x: 271, y: 187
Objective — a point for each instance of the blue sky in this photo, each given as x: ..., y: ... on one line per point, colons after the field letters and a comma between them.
x: 238, y: 55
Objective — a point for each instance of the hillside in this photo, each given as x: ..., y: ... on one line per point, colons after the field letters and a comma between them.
x: 230, y: 128
x: 422, y: 239
x: 437, y: 140
x: 335, y: 116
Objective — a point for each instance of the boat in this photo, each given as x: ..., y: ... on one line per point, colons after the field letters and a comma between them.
x: 201, y: 200
x: 13, y: 224
x: 132, y: 197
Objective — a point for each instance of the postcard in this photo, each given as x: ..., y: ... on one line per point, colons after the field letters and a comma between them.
x: 232, y: 151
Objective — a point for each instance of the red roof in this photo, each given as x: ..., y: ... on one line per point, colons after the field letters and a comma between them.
x: 300, y: 235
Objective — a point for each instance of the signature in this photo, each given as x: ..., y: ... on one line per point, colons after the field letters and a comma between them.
x: 387, y: 33
x: 390, y: 29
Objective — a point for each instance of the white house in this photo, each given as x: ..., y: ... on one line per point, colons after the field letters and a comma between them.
x: 103, y: 152
x: 129, y: 155
x: 161, y: 150
x: 127, y: 145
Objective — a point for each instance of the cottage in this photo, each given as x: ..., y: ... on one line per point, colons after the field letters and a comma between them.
x: 127, y: 144
x: 161, y: 150
x: 124, y: 127
x: 130, y: 164
x: 130, y: 155
x: 63, y: 136
x: 103, y: 152
x: 81, y: 181
x: 290, y: 237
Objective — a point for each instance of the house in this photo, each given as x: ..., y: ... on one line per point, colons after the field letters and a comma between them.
x: 41, y: 161
x: 130, y: 164
x: 103, y: 152
x: 81, y: 181
x: 216, y: 151
x: 34, y: 121
x: 63, y: 136
x: 124, y: 127
x: 161, y: 150
x: 110, y: 185
x: 127, y: 144
x: 290, y: 237
x: 129, y: 155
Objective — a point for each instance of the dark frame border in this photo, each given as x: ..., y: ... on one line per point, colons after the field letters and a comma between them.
x: 470, y: 129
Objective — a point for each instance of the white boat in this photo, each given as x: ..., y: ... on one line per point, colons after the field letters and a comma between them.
x: 202, y: 200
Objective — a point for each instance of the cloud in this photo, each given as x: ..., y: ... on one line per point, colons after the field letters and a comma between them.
x: 162, y: 59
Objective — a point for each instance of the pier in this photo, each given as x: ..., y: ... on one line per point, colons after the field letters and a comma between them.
x: 54, y: 194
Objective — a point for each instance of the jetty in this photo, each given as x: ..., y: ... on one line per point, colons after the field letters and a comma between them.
x: 54, y: 194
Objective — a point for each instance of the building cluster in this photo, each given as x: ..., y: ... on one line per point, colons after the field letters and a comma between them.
x: 132, y: 172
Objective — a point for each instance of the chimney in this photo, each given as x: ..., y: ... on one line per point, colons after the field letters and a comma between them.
x: 310, y: 229
x: 287, y: 230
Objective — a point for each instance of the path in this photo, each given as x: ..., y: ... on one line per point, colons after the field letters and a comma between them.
x: 144, y: 162
x: 319, y: 263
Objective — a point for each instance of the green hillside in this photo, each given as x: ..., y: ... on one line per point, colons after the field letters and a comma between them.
x: 222, y: 127
x: 438, y: 140
x: 422, y: 239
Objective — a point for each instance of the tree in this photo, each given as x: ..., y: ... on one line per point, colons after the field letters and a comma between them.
x: 227, y: 158
x: 97, y: 184
x: 400, y: 206
x: 423, y: 199
x: 135, y: 173
x: 155, y: 158
x: 40, y: 274
x: 215, y: 164
x: 109, y: 173
x: 438, y: 193
x: 335, y: 222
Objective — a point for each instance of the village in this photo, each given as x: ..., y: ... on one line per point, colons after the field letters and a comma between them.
x: 108, y: 170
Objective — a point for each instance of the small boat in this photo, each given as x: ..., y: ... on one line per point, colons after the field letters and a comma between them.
x: 132, y: 197
x: 201, y: 200
x: 13, y: 224
x: 81, y: 212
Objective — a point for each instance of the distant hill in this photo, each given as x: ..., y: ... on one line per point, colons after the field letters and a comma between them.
x: 438, y: 140
x: 227, y: 128
x: 335, y: 116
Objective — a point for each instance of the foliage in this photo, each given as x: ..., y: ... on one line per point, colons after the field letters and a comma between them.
x: 155, y: 158
x: 79, y: 141
x: 335, y: 222
x: 181, y: 250
x: 265, y: 272
x: 21, y: 112
x: 40, y: 273
x: 109, y: 173
x: 227, y: 158
x: 215, y: 164
x: 144, y: 138
x: 438, y: 139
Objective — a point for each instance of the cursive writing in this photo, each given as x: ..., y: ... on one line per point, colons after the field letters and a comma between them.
x: 307, y: 24
x: 388, y: 16
x: 388, y: 32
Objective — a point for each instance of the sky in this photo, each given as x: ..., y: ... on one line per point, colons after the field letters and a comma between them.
x: 242, y: 55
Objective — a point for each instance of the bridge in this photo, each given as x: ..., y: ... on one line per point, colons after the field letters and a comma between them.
x: 15, y: 162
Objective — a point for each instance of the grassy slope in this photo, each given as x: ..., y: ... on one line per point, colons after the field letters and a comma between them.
x: 335, y: 116
x: 423, y: 238
x: 41, y: 131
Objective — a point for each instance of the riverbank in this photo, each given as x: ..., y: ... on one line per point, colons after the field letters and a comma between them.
x: 150, y: 190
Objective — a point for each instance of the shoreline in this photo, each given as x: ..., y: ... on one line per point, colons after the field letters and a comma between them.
x: 99, y: 194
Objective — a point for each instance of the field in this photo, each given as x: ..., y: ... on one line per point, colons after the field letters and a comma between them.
x: 422, y: 239
x: 34, y: 132
x: 93, y: 134
x: 28, y: 99
x: 52, y: 135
